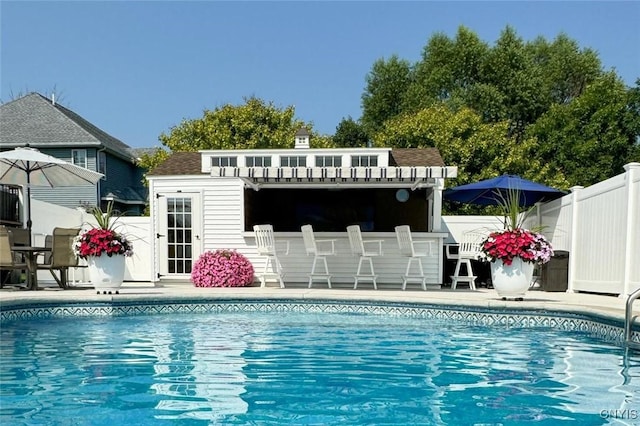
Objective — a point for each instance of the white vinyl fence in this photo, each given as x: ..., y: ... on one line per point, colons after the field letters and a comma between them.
x: 47, y: 216
x: 599, y: 226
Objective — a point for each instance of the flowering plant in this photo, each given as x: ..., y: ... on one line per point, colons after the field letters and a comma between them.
x: 222, y: 268
x: 511, y: 243
x: 515, y: 241
x: 102, y: 239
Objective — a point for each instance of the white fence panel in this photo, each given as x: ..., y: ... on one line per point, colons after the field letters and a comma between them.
x: 599, y: 243
x: 600, y: 228
x: 138, y: 230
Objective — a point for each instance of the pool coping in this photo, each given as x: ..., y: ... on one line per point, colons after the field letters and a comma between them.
x: 606, y: 310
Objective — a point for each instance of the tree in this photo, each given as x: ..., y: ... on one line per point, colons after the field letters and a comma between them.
x: 480, y: 150
x: 253, y: 125
x: 383, y: 96
x: 350, y: 134
x: 447, y: 70
x: 591, y: 138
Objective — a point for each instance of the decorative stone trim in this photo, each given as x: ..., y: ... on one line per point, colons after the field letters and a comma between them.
x: 607, y: 329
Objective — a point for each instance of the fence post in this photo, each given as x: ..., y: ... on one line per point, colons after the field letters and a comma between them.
x: 632, y: 218
x: 573, y: 246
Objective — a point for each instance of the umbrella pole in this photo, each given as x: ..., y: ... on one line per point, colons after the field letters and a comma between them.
x: 29, y: 223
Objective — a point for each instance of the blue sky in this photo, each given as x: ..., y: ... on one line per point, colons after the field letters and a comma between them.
x: 135, y: 69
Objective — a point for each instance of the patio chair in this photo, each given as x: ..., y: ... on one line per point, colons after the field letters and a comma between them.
x: 412, y: 250
x: 9, y: 261
x: 18, y: 236
x: 266, y: 245
x: 320, y: 249
x: 468, y: 249
x: 61, y: 257
x: 365, y: 252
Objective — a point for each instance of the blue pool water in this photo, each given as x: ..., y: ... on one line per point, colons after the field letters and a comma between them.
x: 305, y: 368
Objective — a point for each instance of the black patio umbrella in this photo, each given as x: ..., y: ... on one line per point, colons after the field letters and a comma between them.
x: 491, y: 192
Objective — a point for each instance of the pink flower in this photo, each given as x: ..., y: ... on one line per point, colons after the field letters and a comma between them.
x: 508, y: 244
x: 222, y: 268
x: 97, y: 241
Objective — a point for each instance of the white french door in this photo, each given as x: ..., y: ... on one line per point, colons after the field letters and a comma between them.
x: 179, y: 236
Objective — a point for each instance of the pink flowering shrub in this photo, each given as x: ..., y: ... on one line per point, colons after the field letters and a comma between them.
x: 222, y: 268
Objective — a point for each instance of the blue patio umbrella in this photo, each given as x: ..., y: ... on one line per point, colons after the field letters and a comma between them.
x: 491, y: 192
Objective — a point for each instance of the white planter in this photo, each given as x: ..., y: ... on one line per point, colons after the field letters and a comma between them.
x: 511, y: 281
x: 106, y: 273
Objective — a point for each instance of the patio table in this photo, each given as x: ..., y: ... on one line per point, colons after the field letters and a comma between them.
x: 31, y: 255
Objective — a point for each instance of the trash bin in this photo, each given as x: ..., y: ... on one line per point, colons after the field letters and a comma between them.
x: 555, y: 273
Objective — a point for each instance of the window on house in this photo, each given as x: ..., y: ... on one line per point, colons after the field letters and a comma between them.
x: 293, y: 161
x: 79, y: 157
x: 102, y: 163
x: 224, y: 162
x: 364, y: 161
x: 328, y: 161
x: 258, y: 161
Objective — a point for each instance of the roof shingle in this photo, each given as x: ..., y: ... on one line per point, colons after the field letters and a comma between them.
x: 188, y: 163
x: 36, y: 121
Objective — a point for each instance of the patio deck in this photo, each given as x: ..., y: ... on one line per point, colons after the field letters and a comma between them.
x: 608, y: 306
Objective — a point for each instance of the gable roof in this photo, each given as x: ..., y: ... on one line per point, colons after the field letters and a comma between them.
x: 189, y: 163
x: 36, y: 121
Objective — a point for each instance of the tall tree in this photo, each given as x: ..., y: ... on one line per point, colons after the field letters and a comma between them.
x: 448, y: 69
x: 592, y: 137
x: 386, y: 86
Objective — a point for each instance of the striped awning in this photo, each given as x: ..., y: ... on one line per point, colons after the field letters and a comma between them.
x: 354, y: 174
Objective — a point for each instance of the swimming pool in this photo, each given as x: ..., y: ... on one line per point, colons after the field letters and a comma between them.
x: 310, y: 363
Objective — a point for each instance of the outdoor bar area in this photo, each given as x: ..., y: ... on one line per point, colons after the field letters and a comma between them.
x: 377, y: 189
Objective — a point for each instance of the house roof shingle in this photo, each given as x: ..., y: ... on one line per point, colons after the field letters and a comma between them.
x: 419, y: 157
x: 179, y: 163
x: 35, y: 120
x: 188, y: 163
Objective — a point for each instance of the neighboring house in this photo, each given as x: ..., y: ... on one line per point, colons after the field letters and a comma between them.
x: 210, y: 200
x: 41, y: 123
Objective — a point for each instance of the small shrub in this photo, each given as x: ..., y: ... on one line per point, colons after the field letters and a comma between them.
x: 222, y: 268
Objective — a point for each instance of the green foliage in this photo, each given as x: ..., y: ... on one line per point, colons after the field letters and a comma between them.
x: 350, y: 134
x: 104, y: 218
x: 151, y: 160
x: 593, y: 136
x: 480, y: 150
x: 545, y: 110
x: 254, y: 125
x: 383, y: 96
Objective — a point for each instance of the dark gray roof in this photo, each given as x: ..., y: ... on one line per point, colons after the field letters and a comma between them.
x: 135, y: 195
x: 303, y: 131
x: 35, y: 120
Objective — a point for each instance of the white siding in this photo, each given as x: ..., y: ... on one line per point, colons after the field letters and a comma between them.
x: 223, y: 228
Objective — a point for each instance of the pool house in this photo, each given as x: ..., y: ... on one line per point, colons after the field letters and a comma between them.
x: 211, y: 200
